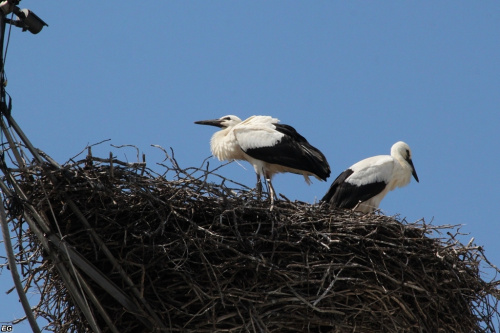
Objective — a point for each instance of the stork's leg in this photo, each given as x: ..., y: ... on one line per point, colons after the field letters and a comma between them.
x: 258, y: 187
x: 272, y: 194
x: 357, y: 205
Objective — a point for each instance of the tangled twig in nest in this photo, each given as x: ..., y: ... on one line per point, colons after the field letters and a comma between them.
x: 195, y: 255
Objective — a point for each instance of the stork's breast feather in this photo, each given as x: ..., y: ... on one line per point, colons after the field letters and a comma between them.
x: 225, y: 147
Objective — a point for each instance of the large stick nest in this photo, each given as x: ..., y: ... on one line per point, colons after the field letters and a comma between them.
x: 195, y: 255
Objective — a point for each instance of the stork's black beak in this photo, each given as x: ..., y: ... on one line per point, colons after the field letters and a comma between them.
x: 414, y: 172
x: 212, y: 122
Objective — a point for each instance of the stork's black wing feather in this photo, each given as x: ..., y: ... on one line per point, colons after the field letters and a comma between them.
x: 293, y: 151
x: 343, y: 194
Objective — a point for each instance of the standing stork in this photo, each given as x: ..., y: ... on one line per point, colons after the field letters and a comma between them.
x: 365, y: 184
x: 270, y: 147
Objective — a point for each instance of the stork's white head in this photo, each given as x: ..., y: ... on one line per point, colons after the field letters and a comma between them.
x: 223, y: 122
x: 401, y: 151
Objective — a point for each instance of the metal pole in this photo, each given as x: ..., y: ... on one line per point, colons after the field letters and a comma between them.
x: 3, y: 216
x: 13, y: 270
x: 2, y: 68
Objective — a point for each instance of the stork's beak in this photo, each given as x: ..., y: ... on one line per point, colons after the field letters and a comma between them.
x: 414, y: 172
x: 213, y: 122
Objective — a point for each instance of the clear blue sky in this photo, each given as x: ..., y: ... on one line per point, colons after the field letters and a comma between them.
x: 353, y: 77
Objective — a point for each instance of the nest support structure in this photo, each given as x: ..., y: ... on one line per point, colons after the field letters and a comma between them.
x: 116, y: 247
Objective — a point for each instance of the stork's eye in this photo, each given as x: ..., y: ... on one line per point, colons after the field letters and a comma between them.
x: 407, y: 153
x: 226, y: 118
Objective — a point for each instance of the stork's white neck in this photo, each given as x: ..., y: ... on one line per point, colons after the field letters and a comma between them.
x: 224, y: 145
x: 402, y: 173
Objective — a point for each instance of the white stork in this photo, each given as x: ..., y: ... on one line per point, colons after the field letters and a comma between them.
x: 365, y: 184
x: 270, y: 147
